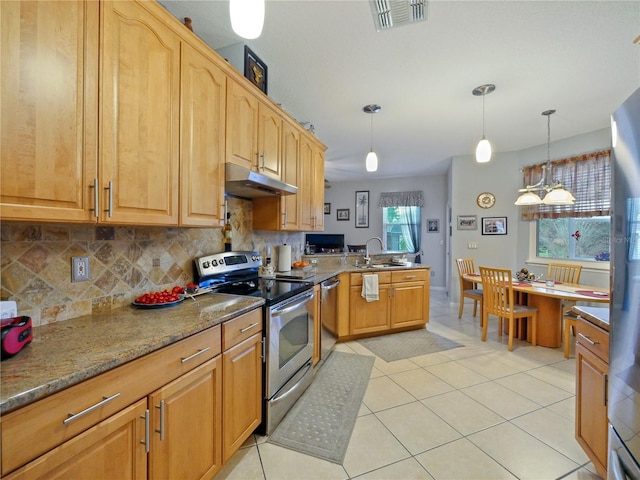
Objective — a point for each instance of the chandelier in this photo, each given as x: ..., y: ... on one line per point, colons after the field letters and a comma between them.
x: 555, y: 193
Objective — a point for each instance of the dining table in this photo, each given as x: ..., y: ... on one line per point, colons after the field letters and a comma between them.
x: 548, y: 300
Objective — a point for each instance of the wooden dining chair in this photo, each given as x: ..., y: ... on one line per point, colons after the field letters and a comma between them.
x: 566, y: 273
x: 468, y: 289
x: 497, y: 287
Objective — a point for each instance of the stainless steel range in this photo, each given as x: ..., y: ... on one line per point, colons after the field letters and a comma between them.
x: 287, y: 331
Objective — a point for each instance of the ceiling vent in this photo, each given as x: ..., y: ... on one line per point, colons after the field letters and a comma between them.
x: 395, y: 13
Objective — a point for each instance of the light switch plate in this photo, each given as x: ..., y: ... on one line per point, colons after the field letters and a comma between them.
x: 79, y: 269
x: 8, y: 309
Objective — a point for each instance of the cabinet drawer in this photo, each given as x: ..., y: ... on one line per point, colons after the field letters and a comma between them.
x: 240, y: 328
x: 593, y: 338
x: 41, y: 426
x: 383, y: 277
x: 408, y: 275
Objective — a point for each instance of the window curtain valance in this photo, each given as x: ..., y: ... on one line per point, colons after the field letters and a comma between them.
x: 587, y: 177
x: 401, y: 199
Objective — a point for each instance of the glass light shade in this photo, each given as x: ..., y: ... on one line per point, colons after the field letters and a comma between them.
x: 558, y: 196
x: 247, y: 17
x: 528, y: 198
x: 372, y: 161
x: 483, y: 151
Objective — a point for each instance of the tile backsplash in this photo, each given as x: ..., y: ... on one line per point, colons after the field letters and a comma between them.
x: 35, y: 261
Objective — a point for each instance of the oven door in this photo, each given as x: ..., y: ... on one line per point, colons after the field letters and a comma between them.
x: 289, y: 339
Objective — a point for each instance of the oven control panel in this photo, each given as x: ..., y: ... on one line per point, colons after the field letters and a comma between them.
x: 226, y: 262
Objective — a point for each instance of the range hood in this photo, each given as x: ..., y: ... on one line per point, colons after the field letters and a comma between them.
x: 242, y: 182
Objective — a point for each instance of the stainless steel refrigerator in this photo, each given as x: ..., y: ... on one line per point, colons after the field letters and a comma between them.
x: 624, y: 341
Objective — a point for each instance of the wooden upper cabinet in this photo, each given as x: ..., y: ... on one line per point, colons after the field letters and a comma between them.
x: 269, y: 142
x: 203, y: 112
x: 318, y: 188
x: 311, y: 188
x: 242, y: 126
x: 49, y: 97
x: 290, y: 210
x: 139, y: 116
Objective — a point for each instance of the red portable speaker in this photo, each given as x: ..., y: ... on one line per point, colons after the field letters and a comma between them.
x: 16, y: 333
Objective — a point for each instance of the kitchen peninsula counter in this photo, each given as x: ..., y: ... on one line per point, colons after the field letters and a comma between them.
x: 65, y: 353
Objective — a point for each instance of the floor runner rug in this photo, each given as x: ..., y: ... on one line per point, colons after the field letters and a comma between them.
x: 322, y: 420
x: 398, y: 346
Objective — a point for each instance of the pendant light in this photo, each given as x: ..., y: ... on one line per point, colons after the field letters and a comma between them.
x: 483, y: 150
x: 371, y: 162
x: 247, y: 17
x: 555, y: 192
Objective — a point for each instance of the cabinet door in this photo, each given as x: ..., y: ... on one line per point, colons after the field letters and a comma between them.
x: 317, y: 200
x: 408, y: 304
x: 369, y: 317
x: 305, y: 188
x: 591, y: 406
x: 203, y: 100
x: 291, y: 175
x: 242, y: 126
x: 139, y: 136
x: 114, y: 448
x: 317, y: 324
x: 49, y: 97
x: 269, y: 142
x: 186, y: 420
x: 242, y: 366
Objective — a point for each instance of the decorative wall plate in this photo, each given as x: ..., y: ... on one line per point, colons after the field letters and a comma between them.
x: 486, y: 200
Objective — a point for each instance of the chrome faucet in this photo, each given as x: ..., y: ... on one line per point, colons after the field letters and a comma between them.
x: 367, y: 258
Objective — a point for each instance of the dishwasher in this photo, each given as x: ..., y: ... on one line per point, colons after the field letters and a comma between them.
x: 328, y: 316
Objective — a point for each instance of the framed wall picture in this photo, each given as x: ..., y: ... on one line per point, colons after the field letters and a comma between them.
x: 494, y: 225
x: 433, y: 225
x: 255, y: 69
x: 342, y: 214
x: 327, y: 209
x: 362, y: 209
x: 467, y: 222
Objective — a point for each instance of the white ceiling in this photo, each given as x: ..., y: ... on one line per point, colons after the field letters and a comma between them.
x: 326, y: 61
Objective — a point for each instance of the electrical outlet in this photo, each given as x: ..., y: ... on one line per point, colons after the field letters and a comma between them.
x: 433, y: 273
x: 314, y: 261
x: 472, y: 245
x: 79, y: 269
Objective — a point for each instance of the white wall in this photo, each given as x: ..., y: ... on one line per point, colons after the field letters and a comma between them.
x: 342, y: 195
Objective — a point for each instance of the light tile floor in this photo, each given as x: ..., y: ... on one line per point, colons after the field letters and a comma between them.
x: 476, y: 412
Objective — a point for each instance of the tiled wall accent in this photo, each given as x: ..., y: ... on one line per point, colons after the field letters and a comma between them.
x: 35, y: 261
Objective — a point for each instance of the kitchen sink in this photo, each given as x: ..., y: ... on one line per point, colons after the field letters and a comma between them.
x: 377, y: 266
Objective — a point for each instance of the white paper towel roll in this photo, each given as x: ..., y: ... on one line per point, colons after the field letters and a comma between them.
x: 284, y: 258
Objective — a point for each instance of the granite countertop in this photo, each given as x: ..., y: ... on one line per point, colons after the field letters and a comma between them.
x: 325, y: 272
x: 65, y: 353
x: 599, y: 316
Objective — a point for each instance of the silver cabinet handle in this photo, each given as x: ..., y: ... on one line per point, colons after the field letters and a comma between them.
x: 109, y: 209
x: 284, y: 219
x: 587, y: 339
x: 604, y: 389
x: 199, y: 352
x: 249, y: 327
x: 161, y: 408
x: 73, y: 416
x: 147, y: 432
x: 408, y: 277
x: 96, y: 198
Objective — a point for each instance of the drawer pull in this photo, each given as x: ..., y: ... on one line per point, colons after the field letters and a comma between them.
x: 161, y: 431
x: 72, y: 416
x: 147, y: 433
x: 588, y: 339
x: 409, y: 276
x: 190, y: 357
x: 246, y: 329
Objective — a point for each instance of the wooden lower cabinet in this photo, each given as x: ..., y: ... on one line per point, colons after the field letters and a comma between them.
x: 369, y: 317
x: 114, y: 448
x: 186, y: 425
x: 592, y: 369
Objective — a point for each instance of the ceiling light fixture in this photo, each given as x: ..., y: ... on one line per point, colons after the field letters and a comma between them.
x: 555, y: 192
x: 247, y: 17
x: 372, y: 159
x: 483, y: 150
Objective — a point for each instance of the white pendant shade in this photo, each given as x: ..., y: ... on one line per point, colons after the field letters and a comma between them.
x: 372, y: 161
x: 528, y: 198
x: 558, y: 196
x: 247, y: 17
x: 483, y: 151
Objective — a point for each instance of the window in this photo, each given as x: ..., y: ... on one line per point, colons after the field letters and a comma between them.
x: 399, y: 225
x: 574, y: 238
x: 580, y: 231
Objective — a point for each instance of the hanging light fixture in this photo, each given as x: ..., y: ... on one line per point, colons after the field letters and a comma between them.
x: 247, y: 17
x: 371, y: 162
x: 483, y: 150
x: 555, y: 191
